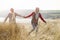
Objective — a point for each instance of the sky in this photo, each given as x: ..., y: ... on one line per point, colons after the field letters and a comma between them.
x: 30, y: 4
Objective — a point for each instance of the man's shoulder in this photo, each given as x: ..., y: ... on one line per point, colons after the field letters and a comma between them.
x: 15, y: 13
x: 9, y: 13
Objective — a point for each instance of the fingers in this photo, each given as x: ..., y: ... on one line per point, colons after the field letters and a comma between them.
x: 23, y: 16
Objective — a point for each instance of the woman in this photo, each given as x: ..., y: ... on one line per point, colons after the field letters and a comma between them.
x: 35, y: 17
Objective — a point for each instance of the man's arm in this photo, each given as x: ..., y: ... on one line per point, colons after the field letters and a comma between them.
x: 18, y: 15
x: 42, y: 18
x: 6, y: 18
x: 29, y: 15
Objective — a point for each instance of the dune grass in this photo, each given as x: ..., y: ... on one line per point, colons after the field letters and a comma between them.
x: 49, y: 31
x: 9, y: 32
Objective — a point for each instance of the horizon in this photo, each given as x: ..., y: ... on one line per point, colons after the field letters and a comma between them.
x: 45, y: 13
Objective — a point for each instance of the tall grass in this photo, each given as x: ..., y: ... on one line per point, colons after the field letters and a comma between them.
x: 9, y: 32
x: 49, y: 31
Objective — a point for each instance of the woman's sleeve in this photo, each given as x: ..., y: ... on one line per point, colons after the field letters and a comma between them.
x: 42, y: 18
x: 29, y: 15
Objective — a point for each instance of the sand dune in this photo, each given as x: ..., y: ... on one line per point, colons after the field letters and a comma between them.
x: 49, y: 31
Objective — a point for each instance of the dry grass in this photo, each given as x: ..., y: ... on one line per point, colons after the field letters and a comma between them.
x: 9, y: 32
x: 49, y: 31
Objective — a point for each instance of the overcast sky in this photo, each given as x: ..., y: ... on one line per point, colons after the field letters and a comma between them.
x: 30, y: 4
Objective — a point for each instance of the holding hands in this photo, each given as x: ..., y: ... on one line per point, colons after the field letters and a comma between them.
x: 23, y: 16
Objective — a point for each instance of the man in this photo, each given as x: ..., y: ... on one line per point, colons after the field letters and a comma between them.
x: 35, y: 16
x: 12, y: 16
x: 12, y: 20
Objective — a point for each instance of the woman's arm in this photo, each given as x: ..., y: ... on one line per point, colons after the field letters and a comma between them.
x: 29, y: 15
x: 42, y: 18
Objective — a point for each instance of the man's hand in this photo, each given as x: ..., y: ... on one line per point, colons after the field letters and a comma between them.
x: 24, y: 17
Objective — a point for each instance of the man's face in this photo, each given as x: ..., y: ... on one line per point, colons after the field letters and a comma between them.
x: 37, y: 10
x: 12, y: 10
